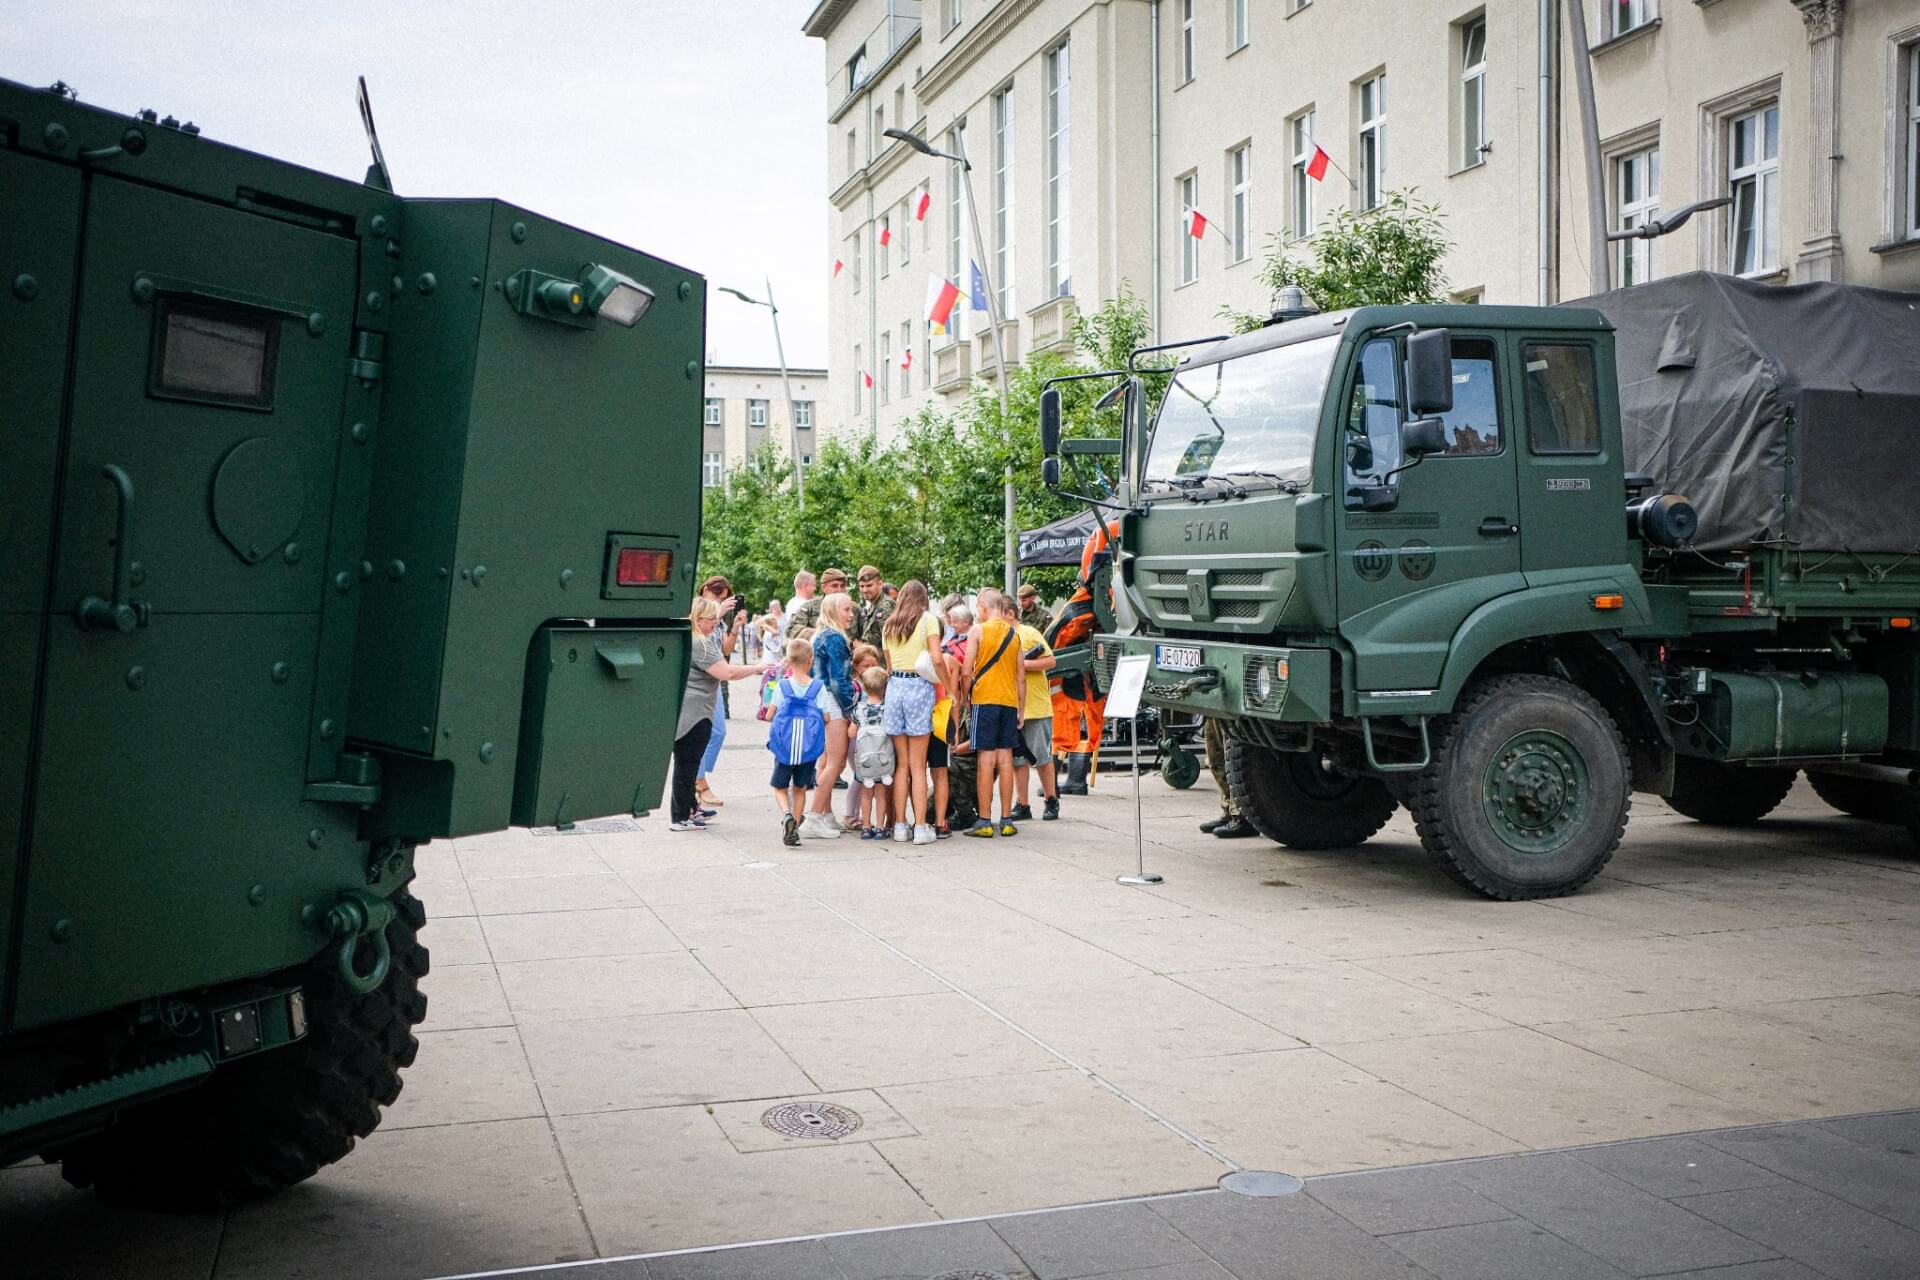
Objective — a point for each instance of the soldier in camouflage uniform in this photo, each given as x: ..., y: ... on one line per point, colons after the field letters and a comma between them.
x: 1032, y: 612
x: 808, y: 613
x: 871, y: 610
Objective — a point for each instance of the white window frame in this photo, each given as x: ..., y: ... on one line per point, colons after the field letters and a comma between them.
x: 1188, y: 185
x: 1300, y: 135
x: 1238, y: 25
x: 1186, y: 41
x: 1636, y: 199
x: 951, y: 10
x: 859, y: 379
x: 1473, y: 94
x: 883, y: 376
x: 758, y: 414
x: 1910, y: 54
x: 1761, y: 174
x: 803, y: 415
x: 1295, y: 6
x: 1371, y: 140
x: 906, y: 353
x: 1903, y: 138
x: 857, y: 253
x: 906, y: 229
x: 1240, y: 203
x: 1624, y: 16
x: 882, y: 251
x: 1059, y: 175
x: 714, y: 411
x: 1003, y: 195
x: 713, y: 469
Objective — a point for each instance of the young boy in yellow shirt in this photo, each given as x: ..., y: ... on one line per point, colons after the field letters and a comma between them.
x: 998, y: 676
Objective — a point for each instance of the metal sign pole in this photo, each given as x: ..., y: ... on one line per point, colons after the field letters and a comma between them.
x: 1141, y: 875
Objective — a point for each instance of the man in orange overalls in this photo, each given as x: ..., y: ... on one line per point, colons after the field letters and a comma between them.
x: 1079, y: 715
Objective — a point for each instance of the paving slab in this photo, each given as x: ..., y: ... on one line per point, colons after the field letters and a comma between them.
x: 463, y: 1077
x: 1337, y: 1003
x: 561, y: 935
x: 1095, y: 1241
x: 464, y: 995
x: 855, y: 1044
x: 1127, y: 1022
x: 605, y: 1064
x: 610, y: 987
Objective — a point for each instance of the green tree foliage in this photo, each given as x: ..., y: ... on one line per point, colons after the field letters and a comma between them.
x: 1382, y: 256
x: 927, y: 504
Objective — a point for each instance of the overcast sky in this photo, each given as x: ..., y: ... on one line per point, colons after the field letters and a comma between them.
x: 691, y: 129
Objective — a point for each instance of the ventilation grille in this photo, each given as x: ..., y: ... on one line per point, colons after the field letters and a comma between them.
x: 1240, y: 578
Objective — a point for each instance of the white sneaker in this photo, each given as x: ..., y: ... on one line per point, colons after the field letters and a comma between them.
x: 817, y: 827
x: 902, y: 833
x: 923, y: 835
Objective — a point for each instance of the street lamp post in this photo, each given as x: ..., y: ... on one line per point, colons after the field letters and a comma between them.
x: 993, y: 323
x: 786, y: 389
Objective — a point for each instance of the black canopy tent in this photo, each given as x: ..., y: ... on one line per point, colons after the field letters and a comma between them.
x: 1058, y: 543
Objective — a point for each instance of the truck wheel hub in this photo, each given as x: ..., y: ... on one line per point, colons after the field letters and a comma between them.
x: 1535, y: 791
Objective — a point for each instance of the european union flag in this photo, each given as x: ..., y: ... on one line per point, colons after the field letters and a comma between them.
x: 979, y: 300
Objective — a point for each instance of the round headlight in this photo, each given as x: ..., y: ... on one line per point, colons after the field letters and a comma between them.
x: 1262, y: 682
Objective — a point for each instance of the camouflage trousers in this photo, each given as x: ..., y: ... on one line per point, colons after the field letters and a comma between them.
x: 1214, y: 733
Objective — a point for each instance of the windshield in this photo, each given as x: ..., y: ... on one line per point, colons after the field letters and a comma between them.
x: 1252, y: 416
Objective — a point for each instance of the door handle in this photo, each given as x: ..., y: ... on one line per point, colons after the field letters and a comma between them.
x: 120, y: 613
x: 1498, y: 527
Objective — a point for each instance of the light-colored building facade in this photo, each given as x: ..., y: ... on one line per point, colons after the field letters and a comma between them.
x: 1095, y: 126
x: 746, y: 408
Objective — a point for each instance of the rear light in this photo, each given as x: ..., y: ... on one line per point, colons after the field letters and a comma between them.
x: 1900, y: 624
x: 643, y: 567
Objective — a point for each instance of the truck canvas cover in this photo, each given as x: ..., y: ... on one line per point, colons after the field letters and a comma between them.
x: 1787, y: 414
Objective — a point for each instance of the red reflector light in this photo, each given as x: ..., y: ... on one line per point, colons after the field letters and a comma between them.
x: 643, y: 567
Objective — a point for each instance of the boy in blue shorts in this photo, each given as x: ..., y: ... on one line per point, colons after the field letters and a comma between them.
x: 804, y: 710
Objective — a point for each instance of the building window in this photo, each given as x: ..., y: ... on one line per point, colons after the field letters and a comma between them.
x: 1239, y: 201
x: 882, y: 377
x: 1910, y: 193
x: 878, y: 143
x: 956, y: 206
x: 950, y: 11
x: 882, y: 247
x: 1628, y: 15
x: 857, y: 69
x: 806, y: 460
x: 1003, y: 198
x: 1300, y: 217
x: 713, y: 470
x: 900, y: 105
x: 906, y: 359
x: 926, y: 355
x: 1295, y: 6
x: 853, y: 151
x: 1753, y: 169
x: 1373, y: 140
x: 1473, y: 92
x: 713, y: 411
x: 1636, y: 180
x: 1059, y: 170
x: 1189, y: 247
x: 906, y: 230
x: 859, y: 377
x: 1186, y: 41
x: 803, y: 414
x: 756, y: 413
x: 856, y: 255
x: 1239, y: 25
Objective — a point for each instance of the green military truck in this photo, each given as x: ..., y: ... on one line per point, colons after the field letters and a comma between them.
x: 1508, y: 565
x: 334, y: 522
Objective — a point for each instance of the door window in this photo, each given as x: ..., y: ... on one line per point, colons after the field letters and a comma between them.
x: 1563, y: 398
x: 1473, y: 424
x: 1375, y: 411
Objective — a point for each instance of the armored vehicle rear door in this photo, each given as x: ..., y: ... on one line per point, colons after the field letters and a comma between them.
x: 168, y: 833
x: 1410, y: 576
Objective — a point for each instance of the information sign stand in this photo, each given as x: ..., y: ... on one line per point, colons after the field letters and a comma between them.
x: 1123, y: 699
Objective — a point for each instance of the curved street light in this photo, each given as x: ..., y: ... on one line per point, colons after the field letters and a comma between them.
x: 786, y: 387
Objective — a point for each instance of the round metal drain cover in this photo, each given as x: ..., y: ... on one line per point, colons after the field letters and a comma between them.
x: 970, y: 1275
x: 811, y: 1120
x: 1255, y: 1182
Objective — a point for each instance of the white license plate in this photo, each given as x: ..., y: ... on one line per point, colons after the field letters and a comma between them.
x: 1176, y: 657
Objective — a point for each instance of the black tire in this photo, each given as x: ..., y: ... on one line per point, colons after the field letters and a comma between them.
x: 1726, y: 795
x: 1866, y: 798
x: 1564, y: 790
x: 1179, y: 767
x: 272, y: 1120
x: 1297, y: 799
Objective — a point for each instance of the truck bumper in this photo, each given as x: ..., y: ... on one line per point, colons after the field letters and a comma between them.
x: 1231, y: 680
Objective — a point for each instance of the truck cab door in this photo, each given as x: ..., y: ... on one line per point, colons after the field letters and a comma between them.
x: 1571, y: 497
x: 1410, y: 576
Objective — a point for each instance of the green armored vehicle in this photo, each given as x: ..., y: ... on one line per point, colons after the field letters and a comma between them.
x: 1508, y: 565
x: 334, y: 522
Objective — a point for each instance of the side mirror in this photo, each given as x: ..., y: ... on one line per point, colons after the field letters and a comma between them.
x: 1050, y: 472
x: 1050, y: 422
x: 1429, y: 373
x: 1359, y: 453
x: 1423, y: 436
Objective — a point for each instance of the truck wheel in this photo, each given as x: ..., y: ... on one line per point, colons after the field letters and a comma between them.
x: 274, y: 1119
x: 1862, y: 797
x: 1527, y: 792
x: 1726, y: 795
x: 1298, y: 799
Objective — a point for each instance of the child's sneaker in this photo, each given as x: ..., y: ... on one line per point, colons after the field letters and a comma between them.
x: 943, y: 832
x: 818, y: 828
x: 689, y: 825
x: 1050, y: 812
x: 981, y: 828
x: 789, y: 830
x: 1022, y: 813
x: 923, y: 835
x: 1008, y: 829
x: 902, y: 833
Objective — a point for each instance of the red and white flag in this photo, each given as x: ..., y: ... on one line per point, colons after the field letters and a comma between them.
x: 942, y: 294
x: 867, y: 378
x: 1317, y: 166
x: 920, y: 206
x: 1196, y: 224
x: 838, y: 266
x: 906, y: 358
x: 886, y: 235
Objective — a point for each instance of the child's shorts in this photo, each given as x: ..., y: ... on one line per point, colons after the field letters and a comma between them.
x: 1036, y: 741
x: 995, y: 728
x: 800, y: 776
x: 909, y: 706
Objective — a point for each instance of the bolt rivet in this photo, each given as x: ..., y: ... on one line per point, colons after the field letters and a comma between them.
x: 316, y: 324
x: 360, y: 432
x: 136, y: 677
x: 486, y: 752
x: 396, y: 569
x: 693, y: 370
x: 25, y: 287
x: 366, y: 570
x: 62, y: 930
x: 280, y: 672
x: 136, y: 573
x: 566, y: 577
x: 519, y: 232
x: 257, y: 894
x: 343, y: 581
x: 292, y: 554
x: 326, y: 728
x: 479, y: 572
x: 377, y: 224
x: 142, y: 289
x: 55, y: 136
x: 686, y: 290
x: 426, y: 283
x: 375, y: 300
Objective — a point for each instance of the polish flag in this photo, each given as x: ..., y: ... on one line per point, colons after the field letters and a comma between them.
x: 906, y: 358
x: 838, y: 266
x: 942, y: 294
x: 1196, y: 224
x: 1317, y: 167
x: 886, y: 235
x: 867, y: 378
x: 920, y: 208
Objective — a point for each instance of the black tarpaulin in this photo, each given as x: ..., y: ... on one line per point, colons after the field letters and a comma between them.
x: 1785, y: 413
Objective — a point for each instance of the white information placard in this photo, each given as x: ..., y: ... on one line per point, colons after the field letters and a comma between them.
x: 1129, y: 682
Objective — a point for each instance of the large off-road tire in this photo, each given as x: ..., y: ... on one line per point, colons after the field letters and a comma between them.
x: 1527, y: 792
x: 1726, y: 795
x: 271, y: 1120
x: 1299, y: 799
x: 1866, y: 798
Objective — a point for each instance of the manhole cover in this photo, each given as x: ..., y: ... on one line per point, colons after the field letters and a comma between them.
x: 593, y: 827
x: 811, y: 1120
x: 970, y: 1275
x: 1255, y: 1182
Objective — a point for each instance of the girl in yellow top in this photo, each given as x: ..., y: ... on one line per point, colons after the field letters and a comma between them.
x: 911, y: 638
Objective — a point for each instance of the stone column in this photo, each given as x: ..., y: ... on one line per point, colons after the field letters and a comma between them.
x: 1820, y: 252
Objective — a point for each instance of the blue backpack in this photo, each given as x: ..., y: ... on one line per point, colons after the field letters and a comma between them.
x: 799, y: 731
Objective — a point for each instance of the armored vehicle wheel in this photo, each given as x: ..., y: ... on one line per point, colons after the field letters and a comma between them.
x: 1300, y: 800
x: 1726, y: 795
x: 1863, y: 797
x: 267, y: 1122
x: 1527, y: 792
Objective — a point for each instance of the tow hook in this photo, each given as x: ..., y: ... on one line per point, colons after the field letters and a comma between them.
x: 357, y: 914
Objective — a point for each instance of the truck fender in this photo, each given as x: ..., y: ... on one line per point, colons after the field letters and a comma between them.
x: 1539, y: 612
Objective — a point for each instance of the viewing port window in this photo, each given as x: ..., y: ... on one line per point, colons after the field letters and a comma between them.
x: 214, y: 354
